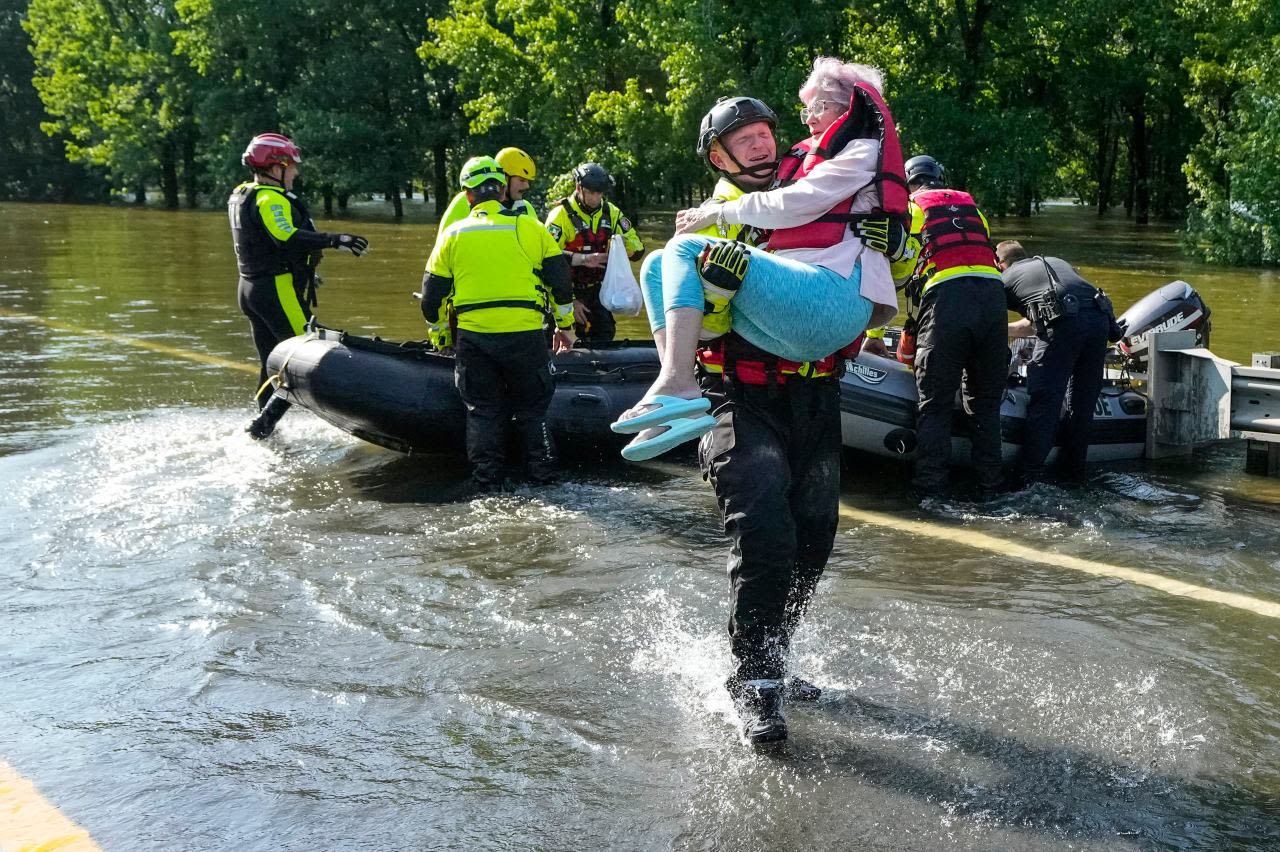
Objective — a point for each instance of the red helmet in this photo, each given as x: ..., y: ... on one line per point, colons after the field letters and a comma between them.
x: 267, y: 149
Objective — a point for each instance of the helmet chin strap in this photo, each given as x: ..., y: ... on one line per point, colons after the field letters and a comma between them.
x: 763, y: 171
x: 269, y: 174
x: 583, y: 204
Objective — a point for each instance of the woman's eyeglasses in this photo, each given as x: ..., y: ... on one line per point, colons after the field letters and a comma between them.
x: 816, y: 109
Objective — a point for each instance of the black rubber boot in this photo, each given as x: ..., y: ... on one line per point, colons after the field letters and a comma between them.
x: 265, y: 423
x: 799, y: 689
x: 539, y: 451
x: 759, y: 705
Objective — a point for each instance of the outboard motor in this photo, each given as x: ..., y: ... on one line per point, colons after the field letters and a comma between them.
x: 1174, y: 307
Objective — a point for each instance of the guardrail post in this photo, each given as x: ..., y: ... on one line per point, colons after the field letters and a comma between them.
x: 1190, y: 390
x: 1255, y: 412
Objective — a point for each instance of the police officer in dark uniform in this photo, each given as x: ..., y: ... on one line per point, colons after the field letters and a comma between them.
x: 1072, y: 322
x: 277, y: 251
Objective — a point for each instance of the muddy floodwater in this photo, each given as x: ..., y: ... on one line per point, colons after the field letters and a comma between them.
x: 311, y: 643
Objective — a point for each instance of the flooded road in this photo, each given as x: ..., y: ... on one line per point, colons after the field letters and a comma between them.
x: 312, y: 643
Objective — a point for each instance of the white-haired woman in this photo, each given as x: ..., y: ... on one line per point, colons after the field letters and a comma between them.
x: 801, y: 302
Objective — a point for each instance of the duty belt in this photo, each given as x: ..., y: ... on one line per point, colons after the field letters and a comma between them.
x: 1055, y: 302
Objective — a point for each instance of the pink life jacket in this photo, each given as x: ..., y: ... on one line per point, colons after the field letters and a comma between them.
x: 954, y: 233
x: 867, y: 118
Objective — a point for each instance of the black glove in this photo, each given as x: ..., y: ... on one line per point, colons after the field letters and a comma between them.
x: 724, y: 264
x: 884, y: 234
x: 349, y: 242
x: 1117, y: 330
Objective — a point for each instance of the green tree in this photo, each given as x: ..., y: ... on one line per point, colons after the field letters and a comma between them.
x: 343, y: 79
x: 1233, y: 172
x: 32, y: 164
x: 548, y: 77
x: 107, y: 75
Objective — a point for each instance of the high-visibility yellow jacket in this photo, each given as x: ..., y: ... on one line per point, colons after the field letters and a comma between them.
x: 501, y: 271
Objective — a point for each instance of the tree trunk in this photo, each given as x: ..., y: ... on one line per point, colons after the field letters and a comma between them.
x: 1026, y: 194
x: 342, y: 201
x: 140, y: 193
x: 1107, y: 180
x: 440, y: 162
x: 1141, y: 164
x: 327, y: 192
x: 1101, y: 170
x: 169, y: 175
x: 189, y: 167
x: 393, y: 195
x: 972, y: 27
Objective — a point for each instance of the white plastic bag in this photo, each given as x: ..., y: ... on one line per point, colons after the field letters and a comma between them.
x: 620, y: 292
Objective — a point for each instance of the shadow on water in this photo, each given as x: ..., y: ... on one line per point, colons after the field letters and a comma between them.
x: 1039, y: 788
x: 444, y: 478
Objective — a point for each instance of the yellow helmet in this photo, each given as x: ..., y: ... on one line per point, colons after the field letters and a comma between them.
x: 517, y: 163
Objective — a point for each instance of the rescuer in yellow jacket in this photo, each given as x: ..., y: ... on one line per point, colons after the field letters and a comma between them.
x: 277, y: 251
x: 503, y: 278
x: 961, y: 329
x: 520, y: 171
x: 583, y: 225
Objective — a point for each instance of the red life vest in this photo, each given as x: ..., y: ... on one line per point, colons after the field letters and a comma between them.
x: 867, y: 118
x: 953, y: 233
x: 751, y: 365
x: 585, y: 239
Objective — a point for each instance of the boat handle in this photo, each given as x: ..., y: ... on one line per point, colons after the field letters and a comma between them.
x: 589, y: 397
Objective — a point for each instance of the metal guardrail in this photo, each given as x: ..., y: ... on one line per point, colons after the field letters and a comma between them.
x: 1198, y: 398
x: 1255, y: 396
x: 1255, y: 412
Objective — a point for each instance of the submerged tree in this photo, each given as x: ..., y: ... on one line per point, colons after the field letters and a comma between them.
x: 342, y: 78
x: 107, y: 75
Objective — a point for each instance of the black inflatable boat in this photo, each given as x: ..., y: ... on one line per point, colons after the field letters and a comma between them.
x: 401, y: 395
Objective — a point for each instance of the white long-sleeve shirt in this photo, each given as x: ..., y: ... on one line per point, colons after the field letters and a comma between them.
x: 813, y: 195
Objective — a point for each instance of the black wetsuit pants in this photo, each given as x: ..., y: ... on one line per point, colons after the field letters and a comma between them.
x: 276, y: 312
x: 505, y: 377
x: 773, y: 458
x: 600, y: 326
x: 962, y: 339
x: 1073, y: 351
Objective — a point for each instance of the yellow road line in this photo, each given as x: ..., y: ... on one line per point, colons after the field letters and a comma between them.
x: 957, y: 535
x: 136, y: 342
x: 29, y: 823
x: 1032, y: 553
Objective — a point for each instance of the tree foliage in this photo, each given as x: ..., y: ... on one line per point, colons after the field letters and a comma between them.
x: 32, y: 164
x: 109, y: 79
x: 343, y: 78
x: 1166, y: 108
x: 1233, y: 171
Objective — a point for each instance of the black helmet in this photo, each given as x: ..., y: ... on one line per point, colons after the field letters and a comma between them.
x: 593, y: 176
x: 730, y: 114
x: 925, y: 171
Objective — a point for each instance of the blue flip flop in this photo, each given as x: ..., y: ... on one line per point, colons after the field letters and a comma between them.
x: 675, y: 432
x: 668, y: 408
